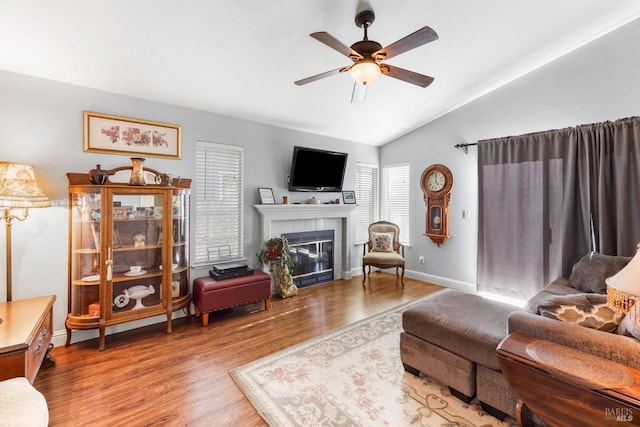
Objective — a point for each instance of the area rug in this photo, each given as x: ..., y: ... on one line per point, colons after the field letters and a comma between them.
x: 352, y: 377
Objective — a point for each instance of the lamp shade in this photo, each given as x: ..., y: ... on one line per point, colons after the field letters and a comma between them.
x: 19, y: 189
x: 365, y: 71
x: 623, y: 288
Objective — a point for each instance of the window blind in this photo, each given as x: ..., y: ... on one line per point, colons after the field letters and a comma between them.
x: 396, y: 198
x: 367, y: 198
x: 218, y: 202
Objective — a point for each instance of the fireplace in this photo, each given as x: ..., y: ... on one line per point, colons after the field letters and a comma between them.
x: 276, y: 220
x: 312, y: 255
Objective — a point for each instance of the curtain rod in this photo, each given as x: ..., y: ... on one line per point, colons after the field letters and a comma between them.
x: 465, y: 146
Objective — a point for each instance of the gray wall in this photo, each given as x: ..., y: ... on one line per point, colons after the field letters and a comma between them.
x: 41, y: 124
x: 598, y: 82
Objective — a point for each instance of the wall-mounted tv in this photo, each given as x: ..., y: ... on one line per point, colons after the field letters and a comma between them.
x: 316, y: 170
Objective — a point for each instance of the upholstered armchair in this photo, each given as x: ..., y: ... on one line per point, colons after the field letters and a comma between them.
x: 383, y: 250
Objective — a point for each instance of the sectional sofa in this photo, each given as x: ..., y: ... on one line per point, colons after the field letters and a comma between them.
x: 452, y: 335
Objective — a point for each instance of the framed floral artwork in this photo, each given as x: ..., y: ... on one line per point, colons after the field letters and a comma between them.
x: 110, y: 134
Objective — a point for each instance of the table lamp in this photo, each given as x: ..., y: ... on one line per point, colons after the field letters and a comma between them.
x: 18, y: 191
x: 623, y: 288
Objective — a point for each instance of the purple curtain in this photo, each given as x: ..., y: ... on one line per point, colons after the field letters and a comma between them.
x: 548, y: 198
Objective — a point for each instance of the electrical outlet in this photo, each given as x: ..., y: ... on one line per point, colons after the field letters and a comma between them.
x: 421, y: 259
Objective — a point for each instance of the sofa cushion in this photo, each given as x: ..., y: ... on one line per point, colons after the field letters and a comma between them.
x: 595, y: 316
x: 571, y: 299
x: 558, y: 288
x: 590, y: 272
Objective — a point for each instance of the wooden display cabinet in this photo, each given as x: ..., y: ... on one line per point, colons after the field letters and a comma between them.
x: 115, y: 226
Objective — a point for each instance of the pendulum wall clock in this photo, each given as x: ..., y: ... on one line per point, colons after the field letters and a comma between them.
x: 436, y: 183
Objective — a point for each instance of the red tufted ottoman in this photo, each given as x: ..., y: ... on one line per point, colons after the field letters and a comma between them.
x: 210, y: 294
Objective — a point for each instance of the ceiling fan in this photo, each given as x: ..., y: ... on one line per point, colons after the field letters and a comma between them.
x: 367, y: 56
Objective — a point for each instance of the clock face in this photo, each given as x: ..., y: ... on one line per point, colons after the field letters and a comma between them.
x: 435, y: 181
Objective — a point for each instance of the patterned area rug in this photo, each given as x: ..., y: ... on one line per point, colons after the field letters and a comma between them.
x: 352, y: 377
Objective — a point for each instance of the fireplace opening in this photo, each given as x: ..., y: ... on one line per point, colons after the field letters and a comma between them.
x: 312, y: 255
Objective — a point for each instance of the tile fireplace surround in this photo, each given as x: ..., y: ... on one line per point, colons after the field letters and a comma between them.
x: 276, y: 220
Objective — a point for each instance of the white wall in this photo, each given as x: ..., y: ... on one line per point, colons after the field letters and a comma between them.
x: 598, y: 82
x: 41, y: 124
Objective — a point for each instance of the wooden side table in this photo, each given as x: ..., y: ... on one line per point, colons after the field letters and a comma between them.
x: 25, y: 336
x: 566, y: 387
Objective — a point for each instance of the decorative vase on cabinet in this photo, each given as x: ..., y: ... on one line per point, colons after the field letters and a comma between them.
x: 120, y: 236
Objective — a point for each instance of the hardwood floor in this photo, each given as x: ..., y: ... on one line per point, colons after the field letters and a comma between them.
x: 148, y: 377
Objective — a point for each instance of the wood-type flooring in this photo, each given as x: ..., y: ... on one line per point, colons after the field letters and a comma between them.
x: 146, y: 377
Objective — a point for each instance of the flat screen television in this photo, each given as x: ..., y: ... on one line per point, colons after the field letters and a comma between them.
x: 316, y: 170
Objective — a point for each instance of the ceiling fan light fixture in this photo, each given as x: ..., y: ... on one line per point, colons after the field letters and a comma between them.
x: 365, y: 72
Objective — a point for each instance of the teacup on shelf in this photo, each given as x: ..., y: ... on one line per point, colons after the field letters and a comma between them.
x: 173, y: 266
x: 135, y: 269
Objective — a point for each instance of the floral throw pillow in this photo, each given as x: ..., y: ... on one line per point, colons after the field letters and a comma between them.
x: 382, y: 242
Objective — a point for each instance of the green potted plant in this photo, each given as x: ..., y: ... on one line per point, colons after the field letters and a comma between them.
x: 275, y: 254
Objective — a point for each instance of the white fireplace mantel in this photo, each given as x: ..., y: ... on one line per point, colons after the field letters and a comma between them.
x: 304, y: 211
x: 298, y: 216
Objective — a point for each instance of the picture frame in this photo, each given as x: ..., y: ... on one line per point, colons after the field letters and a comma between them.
x: 119, y: 212
x: 109, y: 134
x: 175, y: 288
x: 349, y: 197
x: 266, y: 196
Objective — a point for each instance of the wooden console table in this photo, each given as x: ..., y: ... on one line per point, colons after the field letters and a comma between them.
x: 566, y: 387
x: 25, y: 336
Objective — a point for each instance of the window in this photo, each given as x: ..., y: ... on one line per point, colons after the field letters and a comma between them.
x: 395, y: 196
x: 218, y: 202
x: 547, y: 198
x: 367, y: 199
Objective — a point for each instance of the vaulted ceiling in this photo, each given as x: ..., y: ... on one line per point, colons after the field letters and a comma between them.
x: 240, y: 58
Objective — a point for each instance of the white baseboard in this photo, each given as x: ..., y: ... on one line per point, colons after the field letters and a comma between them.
x: 59, y: 338
x: 442, y: 281
x: 430, y: 278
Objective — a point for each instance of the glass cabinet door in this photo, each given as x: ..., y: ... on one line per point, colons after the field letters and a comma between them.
x: 136, y: 261
x: 84, y: 262
x: 180, y: 244
x: 128, y: 250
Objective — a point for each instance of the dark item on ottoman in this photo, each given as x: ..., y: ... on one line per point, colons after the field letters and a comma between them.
x: 212, y: 295
x: 229, y: 270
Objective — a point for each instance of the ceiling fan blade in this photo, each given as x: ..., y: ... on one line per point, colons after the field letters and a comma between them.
x: 423, y: 36
x: 336, y: 44
x: 321, y: 76
x: 406, y: 75
x: 359, y: 93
